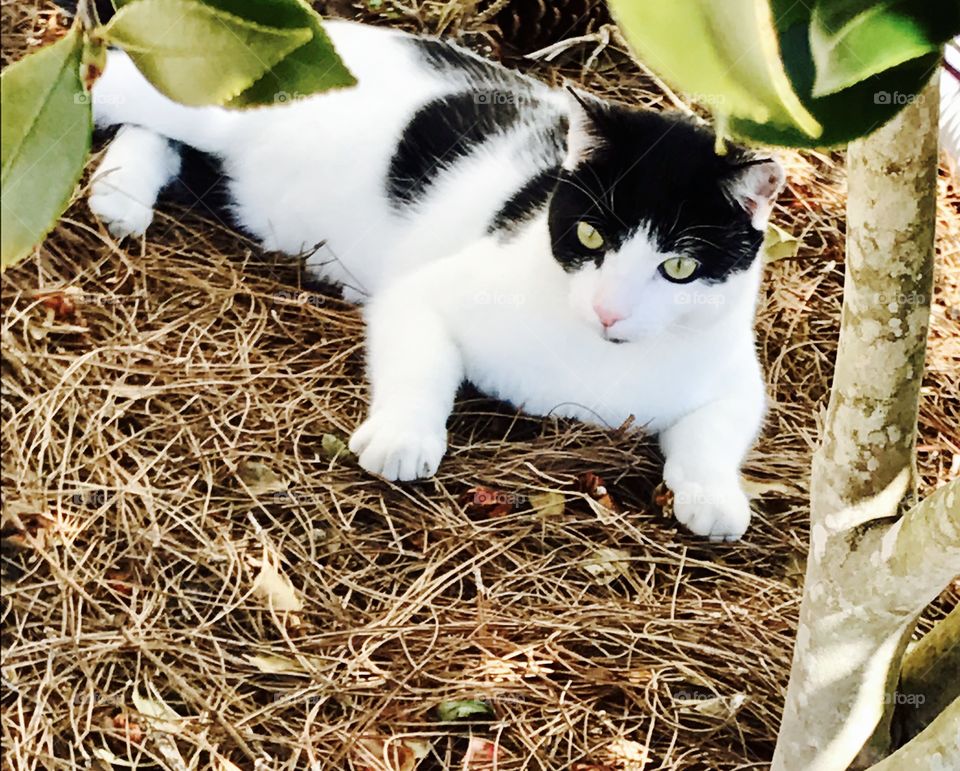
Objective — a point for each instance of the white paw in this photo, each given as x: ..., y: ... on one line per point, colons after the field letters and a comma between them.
x: 119, y: 208
x: 398, y: 447
x: 718, y: 509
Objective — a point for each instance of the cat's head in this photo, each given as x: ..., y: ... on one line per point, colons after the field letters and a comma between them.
x: 655, y: 229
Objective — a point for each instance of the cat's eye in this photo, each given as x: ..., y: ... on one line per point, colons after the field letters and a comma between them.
x: 680, y: 270
x: 589, y: 236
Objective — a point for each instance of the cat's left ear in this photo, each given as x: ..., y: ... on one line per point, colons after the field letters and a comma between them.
x: 584, y: 113
x: 755, y: 185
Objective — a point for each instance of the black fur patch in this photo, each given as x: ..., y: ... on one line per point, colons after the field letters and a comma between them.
x: 439, y: 134
x: 202, y: 186
x: 660, y: 173
x: 526, y: 202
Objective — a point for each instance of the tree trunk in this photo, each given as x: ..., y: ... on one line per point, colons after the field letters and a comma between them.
x: 872, y: 569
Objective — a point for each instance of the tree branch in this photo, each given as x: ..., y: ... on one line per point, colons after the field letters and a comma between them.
x: 929, y: 677
x: 936, y: 748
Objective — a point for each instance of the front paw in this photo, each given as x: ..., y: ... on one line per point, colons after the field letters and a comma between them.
x: 119, y: 209
x: 718, y: 509
x: 398, y: 447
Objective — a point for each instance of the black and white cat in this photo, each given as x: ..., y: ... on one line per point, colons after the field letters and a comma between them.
x: 571, y: 256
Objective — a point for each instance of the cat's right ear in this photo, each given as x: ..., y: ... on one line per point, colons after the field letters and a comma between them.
x: 583, y: 135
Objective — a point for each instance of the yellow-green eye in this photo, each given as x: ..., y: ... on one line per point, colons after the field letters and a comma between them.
x: 679, y: 269
x: 589, y: 236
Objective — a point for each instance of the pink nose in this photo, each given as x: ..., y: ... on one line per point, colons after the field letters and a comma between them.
x: 607, y: 317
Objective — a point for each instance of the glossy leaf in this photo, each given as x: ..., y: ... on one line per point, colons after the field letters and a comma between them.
x: 196, y: 53
x: 851, y: 40
x: 46, y: 128
x: 723, y: 54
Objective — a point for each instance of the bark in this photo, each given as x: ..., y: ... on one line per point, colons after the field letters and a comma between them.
x: 937, y: 748
x: 929, y: 677
x: 872, y: 569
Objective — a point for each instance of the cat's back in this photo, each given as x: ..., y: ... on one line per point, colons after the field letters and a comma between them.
x: 406, y: 166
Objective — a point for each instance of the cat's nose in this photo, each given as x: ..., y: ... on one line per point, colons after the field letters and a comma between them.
x: 607, y: 317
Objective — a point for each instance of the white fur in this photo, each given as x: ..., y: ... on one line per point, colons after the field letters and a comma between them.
x: 446, y: 301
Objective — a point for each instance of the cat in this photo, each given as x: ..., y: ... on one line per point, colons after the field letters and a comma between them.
x: 569, y: 255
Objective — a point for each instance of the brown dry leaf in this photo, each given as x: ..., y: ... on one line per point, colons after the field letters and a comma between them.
x: 596, y: 488
x: 549, y: 504
x: 480, y: 753
x: 277, y: 665
x: 120, y: 581
x: 626, y: 755
x: 722, y: 708
x: 377, y: 753
x: 486, y: 502
x: 127, y: 728
x: 221, y: 763
x: 157, y: 713
x: 259, y: 478
x: 606, y: 564
x: 63, y: 305
x: 27, y: 530
x: 272, y: 585
x: 663, y: 499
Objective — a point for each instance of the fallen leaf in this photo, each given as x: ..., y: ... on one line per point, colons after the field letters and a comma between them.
x: 606, y: 564
x: 778, y: 244
x: 333, y: 447
x: 480, y: 750
x: 63, y: 305
x: 487, y: 502
x: 596, y: 488
x: 276, y: 665
x: 127, y: 728
x: 457, y: 710
x: 273, y: 586
x: 663, y: 499
x: 390, y: 754
x: 719, y: 707
x: 221, y: 763
x: 627, y: 755
x: 549, y: 504
x: 259, y: 478
x: 159, y: 715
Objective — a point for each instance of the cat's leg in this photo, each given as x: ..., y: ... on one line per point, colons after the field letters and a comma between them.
x: 415, y: 369
x: 137, y: 165
x: 703, y: 452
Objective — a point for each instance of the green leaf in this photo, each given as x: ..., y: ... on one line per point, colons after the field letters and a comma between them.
x: 850, y: 40
x: 778, y: 244
x: 46, y: 130
x: 196, y: 53
x: 457, y: 710
x: 725, y: 54
x: 847, y: 114
x: 333, y: 447
x: 310, y: 69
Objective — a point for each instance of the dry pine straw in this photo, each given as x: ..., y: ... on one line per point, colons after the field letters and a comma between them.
x: 164, y: 478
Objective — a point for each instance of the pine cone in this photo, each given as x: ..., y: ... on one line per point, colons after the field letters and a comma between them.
x: 524, y: 26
